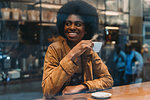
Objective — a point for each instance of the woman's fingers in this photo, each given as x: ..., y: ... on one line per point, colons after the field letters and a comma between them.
x: 81, y: 47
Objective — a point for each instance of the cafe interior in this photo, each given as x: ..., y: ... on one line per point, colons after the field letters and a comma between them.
x: 28, y: 27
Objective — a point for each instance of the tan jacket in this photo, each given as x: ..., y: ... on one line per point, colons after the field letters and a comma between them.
x: 58, y: 70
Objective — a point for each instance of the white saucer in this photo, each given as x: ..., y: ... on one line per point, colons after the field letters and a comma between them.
x: 101, y: 95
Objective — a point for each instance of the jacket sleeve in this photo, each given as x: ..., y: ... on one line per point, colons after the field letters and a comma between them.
x: 56, y: 72
x: 100, y: 70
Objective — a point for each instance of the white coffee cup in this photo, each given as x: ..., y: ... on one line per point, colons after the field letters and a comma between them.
x: 97, y: 46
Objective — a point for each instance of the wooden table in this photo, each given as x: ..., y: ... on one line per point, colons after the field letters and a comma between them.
x: 139, y: 91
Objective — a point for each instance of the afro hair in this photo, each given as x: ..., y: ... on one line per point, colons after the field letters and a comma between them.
x: 87, y: 13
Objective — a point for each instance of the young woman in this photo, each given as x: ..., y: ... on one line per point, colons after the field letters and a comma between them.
x: 71, y: 65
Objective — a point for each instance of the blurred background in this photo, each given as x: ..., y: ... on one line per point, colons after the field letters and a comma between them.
x: 27, y: 27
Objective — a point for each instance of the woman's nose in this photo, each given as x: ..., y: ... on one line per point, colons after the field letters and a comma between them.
x: 72, y: 29
x: 72, y: 26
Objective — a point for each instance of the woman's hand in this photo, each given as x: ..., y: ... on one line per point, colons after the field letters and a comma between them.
x: 73, y: 89
x: 80, y: 48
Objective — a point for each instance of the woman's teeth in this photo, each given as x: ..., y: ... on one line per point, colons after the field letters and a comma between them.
x: 72, y: 34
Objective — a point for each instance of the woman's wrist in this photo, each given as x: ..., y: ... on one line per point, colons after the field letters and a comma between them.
x: 72, y: 57
x: 85, y: 86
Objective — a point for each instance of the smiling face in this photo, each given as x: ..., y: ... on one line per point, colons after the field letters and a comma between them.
x: 74, y: 28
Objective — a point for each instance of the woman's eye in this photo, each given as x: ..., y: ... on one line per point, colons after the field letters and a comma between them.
x: 68, y: 23
x: 78, y: 24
